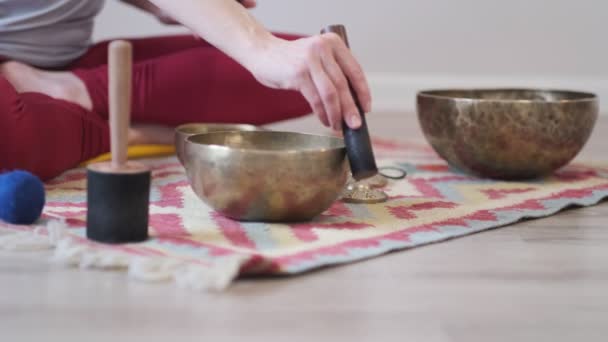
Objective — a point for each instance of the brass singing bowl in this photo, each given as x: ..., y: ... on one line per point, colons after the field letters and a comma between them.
x: 184, y: 131
x: 507, y: 133
x: 266, y: 176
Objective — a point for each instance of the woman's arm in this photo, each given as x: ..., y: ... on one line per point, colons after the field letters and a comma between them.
x: 151, y: 8
x: 318, y: 66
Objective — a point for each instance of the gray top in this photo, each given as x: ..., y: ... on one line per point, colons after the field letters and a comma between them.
x: 46, y: 33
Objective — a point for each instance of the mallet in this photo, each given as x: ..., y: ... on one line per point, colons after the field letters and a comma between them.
x: 118, y: 191
x: 358, y: 142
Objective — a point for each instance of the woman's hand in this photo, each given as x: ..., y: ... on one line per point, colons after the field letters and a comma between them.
x: 319, y: 67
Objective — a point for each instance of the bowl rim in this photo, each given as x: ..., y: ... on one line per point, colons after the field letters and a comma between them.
x: 180, y: 128
x: 190, y: 142
x: 436, y: 93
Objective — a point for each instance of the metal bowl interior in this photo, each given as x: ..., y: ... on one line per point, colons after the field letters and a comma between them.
x: 184, y: 131
x: 267, y: 176
x: 266, y: 141
x: 510, y: 95
x: 507, y: 133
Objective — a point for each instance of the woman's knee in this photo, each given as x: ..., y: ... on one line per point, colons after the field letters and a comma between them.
x: 9, y: 107
x: 46, y: 136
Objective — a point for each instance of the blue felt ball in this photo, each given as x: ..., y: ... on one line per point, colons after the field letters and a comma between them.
x: 22, y: 197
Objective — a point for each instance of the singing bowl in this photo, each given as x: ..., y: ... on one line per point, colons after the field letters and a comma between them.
x: 266, y: 176
x: 184, y: 131
x: 507, y: 133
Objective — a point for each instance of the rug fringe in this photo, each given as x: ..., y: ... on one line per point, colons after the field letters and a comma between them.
x: 215, y: 277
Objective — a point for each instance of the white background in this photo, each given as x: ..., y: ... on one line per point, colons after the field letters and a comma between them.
x: 406, y: 45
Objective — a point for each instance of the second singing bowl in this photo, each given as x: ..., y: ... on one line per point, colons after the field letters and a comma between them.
x: 507, y: 133
x: 184, y: 131
x: 266, y: 176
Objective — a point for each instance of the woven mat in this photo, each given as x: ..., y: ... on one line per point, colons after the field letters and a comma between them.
x: 433, y: 204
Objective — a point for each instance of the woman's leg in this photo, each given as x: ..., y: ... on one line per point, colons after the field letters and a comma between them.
x: 44, y: 135
x: 178, y: 79
x: 143, y: 49
x: 36, y: 121
x: 47, y: 132
x: 196, y: 85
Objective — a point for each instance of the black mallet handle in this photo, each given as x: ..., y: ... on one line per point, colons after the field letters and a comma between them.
x: 358, y: 142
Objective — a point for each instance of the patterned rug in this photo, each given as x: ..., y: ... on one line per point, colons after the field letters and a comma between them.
x: 434, y: 203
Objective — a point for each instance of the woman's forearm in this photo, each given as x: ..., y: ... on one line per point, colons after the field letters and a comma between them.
x: 225, y: 24
x: 320, y: 67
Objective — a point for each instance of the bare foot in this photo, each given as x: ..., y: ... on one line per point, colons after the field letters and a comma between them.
x: 61, y: 85
x: 66, y: 86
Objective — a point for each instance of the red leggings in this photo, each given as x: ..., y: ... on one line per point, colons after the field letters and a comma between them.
x: 176, y: 80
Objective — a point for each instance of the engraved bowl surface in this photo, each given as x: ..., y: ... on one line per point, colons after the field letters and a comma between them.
x: 507, y: 133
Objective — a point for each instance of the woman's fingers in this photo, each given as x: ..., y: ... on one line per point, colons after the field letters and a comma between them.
x: 330, y: 95
x: 310, y: 93
x: 349, y: 108
x: 333, y: 70
x: 320, y: 67
x: 353, y: 71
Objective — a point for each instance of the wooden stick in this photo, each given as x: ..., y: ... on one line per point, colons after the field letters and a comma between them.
x: 120, y: 76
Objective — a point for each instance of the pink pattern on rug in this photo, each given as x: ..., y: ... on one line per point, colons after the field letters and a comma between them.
x: 167, y: 225
x: 233, y: 231
x: 171, y: 194
x: 340, y: 209
x: 502, y: 193
x: 304, y: 231
x: 405, y: 212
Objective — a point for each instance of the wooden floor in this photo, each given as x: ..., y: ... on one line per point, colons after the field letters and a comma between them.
x: 543, y: 280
